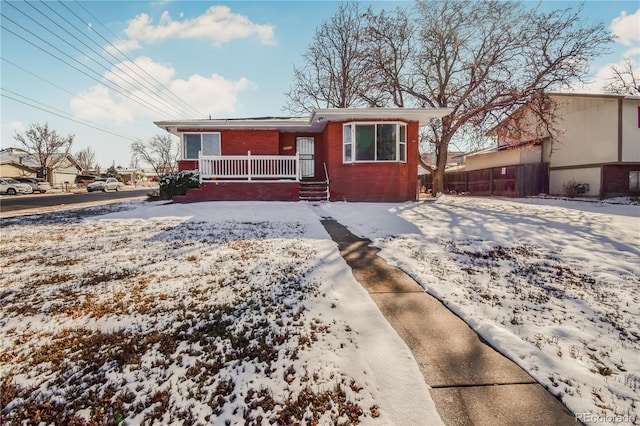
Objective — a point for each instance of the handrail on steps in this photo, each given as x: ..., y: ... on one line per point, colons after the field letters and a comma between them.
x: 326, y: 174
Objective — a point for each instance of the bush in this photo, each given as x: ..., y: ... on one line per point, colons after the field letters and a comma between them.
x: 570, y: 189
x: 178, y: 183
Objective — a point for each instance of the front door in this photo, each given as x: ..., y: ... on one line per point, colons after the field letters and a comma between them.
x: 306, y: 151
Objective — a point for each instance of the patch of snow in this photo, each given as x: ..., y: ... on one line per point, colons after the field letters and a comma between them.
x: 207, y: 312
x: 553, y: 284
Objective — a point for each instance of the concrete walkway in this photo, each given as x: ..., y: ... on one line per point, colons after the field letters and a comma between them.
x: 472, y: 384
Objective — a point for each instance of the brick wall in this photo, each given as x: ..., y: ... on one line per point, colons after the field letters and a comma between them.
x: 616, y: 180
x: 259, y: 142
x: 187, y: 165
x: 242, y: 191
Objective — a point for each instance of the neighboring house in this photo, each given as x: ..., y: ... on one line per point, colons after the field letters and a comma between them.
x: 455, y: 160
x: 596, y: 144
x: 367, y: 154
x: 12, y: 163
x: 18, y: 162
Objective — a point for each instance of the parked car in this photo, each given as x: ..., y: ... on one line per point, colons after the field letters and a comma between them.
x: 85, y: 179
x: 38, y: 184
x: 104, y: 185
x: 12, y: 187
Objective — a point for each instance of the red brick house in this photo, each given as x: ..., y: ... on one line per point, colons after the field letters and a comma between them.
x: 368, y: 154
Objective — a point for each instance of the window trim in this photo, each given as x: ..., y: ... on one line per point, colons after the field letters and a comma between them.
x: 637, y: 180
x: 184, y: 143
x: 353, y: 143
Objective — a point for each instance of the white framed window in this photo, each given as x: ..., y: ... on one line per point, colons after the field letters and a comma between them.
x: 193, y: 143
x: 378, y: 142
x: 347, y: 146
x: 402, y: 142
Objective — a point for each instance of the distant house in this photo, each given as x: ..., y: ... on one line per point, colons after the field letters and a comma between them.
x: 16, y: 162
x: 367, y: 154
x: 455, y: 160
x: 597, y: 145
x: 12, y: 163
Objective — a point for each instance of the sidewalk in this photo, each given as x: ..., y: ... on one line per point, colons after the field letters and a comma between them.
x: 471, y: 383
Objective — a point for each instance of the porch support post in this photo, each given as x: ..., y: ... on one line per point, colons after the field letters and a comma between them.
x: 298, y: 175
x: 249, y: 171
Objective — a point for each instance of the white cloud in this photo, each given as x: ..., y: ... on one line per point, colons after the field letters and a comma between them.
x: 123, y: 46
x: 16, y: 126
x: 133, y: 75
x: 627, y: 27
x: 603, y: 77
x: 217, y: 25
x: 99, y: 104
x: 634, y: 51
x: 209, y: 95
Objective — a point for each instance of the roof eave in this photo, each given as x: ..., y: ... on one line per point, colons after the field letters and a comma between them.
x: 315, y: 123
x: 422, y: 115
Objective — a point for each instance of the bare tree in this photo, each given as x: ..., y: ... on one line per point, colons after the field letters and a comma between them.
x: 388, y: 49
x: 625, y: 80
x: 160, y: 152
x: 488, y: 59
x: 86, y: 159
x: 334, y: 74
x: 49, y: 148
x: 483, y: 59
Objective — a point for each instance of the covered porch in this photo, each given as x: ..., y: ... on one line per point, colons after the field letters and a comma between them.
x: 238, y: 168
x: 256, y: 177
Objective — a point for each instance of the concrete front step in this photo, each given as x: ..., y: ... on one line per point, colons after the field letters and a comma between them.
x: 313, y: 191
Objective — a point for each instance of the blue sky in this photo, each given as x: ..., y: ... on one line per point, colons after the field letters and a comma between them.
x: 232, y: 59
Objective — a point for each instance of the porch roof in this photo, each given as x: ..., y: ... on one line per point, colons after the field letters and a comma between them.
x: 316, y: 122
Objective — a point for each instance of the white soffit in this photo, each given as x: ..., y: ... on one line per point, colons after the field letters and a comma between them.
x: 422, y: 115
x: 315, y: 123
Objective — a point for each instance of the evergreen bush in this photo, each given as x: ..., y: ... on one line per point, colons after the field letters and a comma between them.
x: 178, y: 183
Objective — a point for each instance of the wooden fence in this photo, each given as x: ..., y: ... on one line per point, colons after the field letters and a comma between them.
x: 522, y: 180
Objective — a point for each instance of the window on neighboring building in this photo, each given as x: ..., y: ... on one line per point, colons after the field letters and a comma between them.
x: 634, y: 180
x: 208, y: 143
x: 374, y: 142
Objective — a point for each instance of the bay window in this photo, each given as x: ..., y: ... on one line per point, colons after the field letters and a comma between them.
x: 207, y: 143
x: 374, y: 142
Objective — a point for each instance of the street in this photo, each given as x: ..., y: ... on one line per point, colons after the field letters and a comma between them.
x: 35, y: 201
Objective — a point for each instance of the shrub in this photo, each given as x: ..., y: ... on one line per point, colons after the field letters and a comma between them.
x: 178, y: 183
x: 570, y: 189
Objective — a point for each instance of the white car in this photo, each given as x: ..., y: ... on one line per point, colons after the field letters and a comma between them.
x: 37, y: 184
x: 12, y: 187
x: 104, y: 185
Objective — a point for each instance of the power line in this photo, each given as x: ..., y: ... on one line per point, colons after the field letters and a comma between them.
x: 140, y: 82
x: 62, y: 88
x: 169, y: 91
x: 131, y: 94
x: 54, y: 111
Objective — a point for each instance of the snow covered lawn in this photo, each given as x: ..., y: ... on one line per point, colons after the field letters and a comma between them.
x: 224, y: 313
x: 554, y: 285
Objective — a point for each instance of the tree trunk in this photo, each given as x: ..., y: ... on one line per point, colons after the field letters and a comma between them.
x: 438, y: 182
x: 442, y: 155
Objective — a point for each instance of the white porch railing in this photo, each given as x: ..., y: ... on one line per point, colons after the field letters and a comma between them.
x: 249, y: 167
